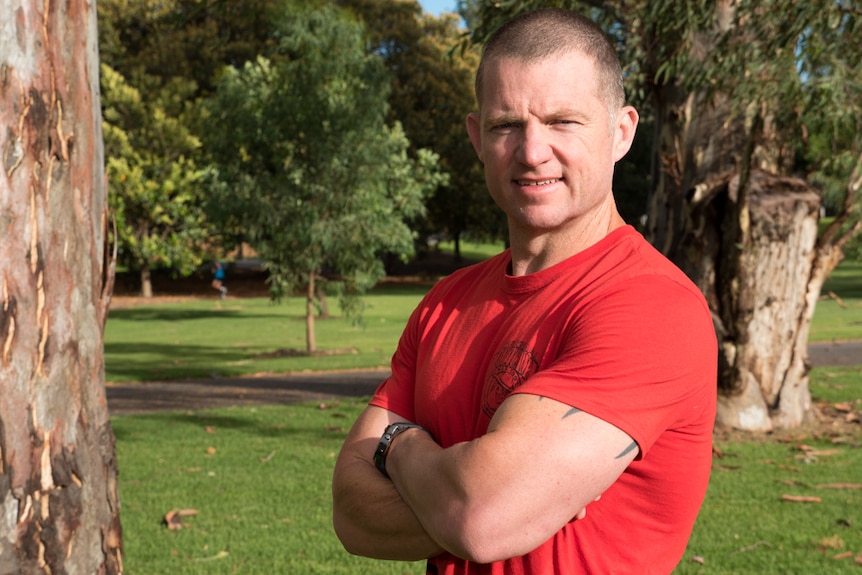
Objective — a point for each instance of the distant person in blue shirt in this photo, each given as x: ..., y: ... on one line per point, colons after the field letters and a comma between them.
x: 218, y: 279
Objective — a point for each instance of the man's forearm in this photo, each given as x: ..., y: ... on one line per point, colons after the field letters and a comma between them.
x: 370, y: 517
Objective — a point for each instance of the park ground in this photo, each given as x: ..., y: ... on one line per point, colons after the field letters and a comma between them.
x: 250, y: 281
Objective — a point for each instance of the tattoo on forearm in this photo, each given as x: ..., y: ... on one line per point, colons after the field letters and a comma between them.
x: 627, y: 450
x: 572, y: 411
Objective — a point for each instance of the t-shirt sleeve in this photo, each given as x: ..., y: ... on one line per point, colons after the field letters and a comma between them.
x: 397, y: 392
x: 642, y: 357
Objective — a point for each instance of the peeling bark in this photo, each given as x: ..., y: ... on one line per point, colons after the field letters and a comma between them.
x: 59, y: 508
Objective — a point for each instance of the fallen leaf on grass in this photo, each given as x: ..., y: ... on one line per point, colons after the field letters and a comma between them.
x: 211, y: 450
x: 267, y: 458
x: 209, y: 429
x: 219, y: 555
x: 845, y: 555
x: 833, y: 542
x: 698, y: 559
x: 839, y: 486
x: 801, y: 498
x: 174, y: 518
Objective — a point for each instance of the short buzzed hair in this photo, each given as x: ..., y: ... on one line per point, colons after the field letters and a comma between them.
x: 552, y: 31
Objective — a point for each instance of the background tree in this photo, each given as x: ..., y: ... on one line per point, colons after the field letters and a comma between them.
x: 318, y: 180
x: 164, y: 59
x: 154, y: 181
x: 432, y: 93
x: 188, y: 39
x: 732, y: 89
x: 59, y: 509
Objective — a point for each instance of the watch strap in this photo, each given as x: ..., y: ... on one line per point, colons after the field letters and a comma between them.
x: 390, y: 433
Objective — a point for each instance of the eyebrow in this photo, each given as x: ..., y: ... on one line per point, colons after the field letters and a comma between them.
x: 510, y: 118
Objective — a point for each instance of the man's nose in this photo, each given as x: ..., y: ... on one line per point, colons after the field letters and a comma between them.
x: 535, y: 145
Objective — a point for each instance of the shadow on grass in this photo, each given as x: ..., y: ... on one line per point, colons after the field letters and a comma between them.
x: 845, y: 281
x: 244, y: 421
x: 146, y: 361
x: 173, y: 314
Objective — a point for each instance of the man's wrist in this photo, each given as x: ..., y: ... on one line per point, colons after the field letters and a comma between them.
x: 389, y: 434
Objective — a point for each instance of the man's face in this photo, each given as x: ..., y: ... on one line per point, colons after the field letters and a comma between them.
x: 548, y: 142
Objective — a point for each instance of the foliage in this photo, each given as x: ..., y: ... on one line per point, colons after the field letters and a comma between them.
x: 432, y: 93
x: 321, y: 185
x: 153, y: 178
x: 190, y: 39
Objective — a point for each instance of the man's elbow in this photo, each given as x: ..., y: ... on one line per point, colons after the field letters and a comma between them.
x: 482, y: 540
x: 346, y: 534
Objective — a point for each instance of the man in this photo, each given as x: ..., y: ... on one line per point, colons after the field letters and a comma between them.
x: 565, y: 389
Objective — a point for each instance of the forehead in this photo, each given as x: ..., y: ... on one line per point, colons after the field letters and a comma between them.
x: 565, y: 79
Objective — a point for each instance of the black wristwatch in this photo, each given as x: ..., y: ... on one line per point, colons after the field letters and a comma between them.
x: 391, y: 432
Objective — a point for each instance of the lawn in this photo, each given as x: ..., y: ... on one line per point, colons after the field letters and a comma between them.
x: 838, y: 315
x: 213, y: 338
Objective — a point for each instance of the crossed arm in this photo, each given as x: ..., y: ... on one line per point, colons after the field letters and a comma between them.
x: 499, y: 496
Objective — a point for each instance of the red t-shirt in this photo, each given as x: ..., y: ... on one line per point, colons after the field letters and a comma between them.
x: 617, y: 331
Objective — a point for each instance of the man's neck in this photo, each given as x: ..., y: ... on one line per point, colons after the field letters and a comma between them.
x: 533, y: 253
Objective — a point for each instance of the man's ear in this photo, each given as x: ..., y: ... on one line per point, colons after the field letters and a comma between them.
x: 474, y: 130
x: 624, y: 131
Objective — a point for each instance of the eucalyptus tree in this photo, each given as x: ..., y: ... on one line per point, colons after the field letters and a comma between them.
x: 755, y: 105
x: 59, y: 506
x: 309, y: 167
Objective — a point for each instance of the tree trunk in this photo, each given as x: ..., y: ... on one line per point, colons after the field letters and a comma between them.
x: 310, y: 343
x: 146, y: 280
x: 747, y: 240
x: 762, y: 307
x: 59, y: 509
x: 322, y: 302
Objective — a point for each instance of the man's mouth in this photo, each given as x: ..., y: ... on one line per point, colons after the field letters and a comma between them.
x: 537, y: 183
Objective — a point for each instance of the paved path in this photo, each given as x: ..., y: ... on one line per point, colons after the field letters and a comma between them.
x: 323, y: 386
x: 224, y: 392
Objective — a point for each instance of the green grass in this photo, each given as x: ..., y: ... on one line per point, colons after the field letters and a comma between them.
x: 473, y: 250
x: 840, y: 317
x: 746, y: 527
x: 210, y: 337
x: 259, y: 479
